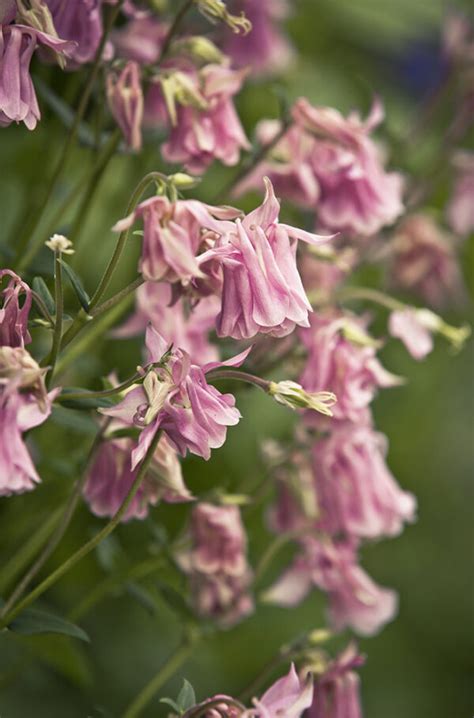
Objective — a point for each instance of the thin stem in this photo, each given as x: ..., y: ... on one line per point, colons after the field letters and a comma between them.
x: 26, y: 257
x: 169, y: 668
x: 89, y: 545
x: 73, y: 395
x: 174, y: 28
x: 273, y: 549
x: 117, y: 298
x: 371, y: 295
x: 58, y: 320
x: 238, y: 375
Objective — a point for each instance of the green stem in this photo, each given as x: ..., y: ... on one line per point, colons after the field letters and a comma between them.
x: 89, y: 545
x: 371, y: 295
x: 175, y: 661
x: 117, y: 298
x: 174, y: 28
x: 26, y: 257
x: 238, y: 375
x: 73, y: 395
x: 58, y: 320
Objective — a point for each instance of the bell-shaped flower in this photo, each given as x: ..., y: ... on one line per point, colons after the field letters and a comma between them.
x: 81, y: 22
x: 336, y: 691
x: 288, y: 696
x: 125, y: 99
x: 14, y: 311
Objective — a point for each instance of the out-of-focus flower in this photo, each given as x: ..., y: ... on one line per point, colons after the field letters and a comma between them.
x: 408, y: 326
x: 173, y: 234
x: 80, y: 21
x: 180, y: 325
x: 336, y: 691
x: 357, y: 195
x: 18, y: 101
x: 217, y: 563
x: 14, y: 311
x: 8, y: 10
x: 458, y: 38
x: 140, y: 40
x: 323, y: 275
x: 24, y: 404
x: 60, y: 243
x: 460, y: 210
x: 424, y: 261
x: 338, y: 364
x: 355, y: 601
x: 357, y: 494
x: 288, y: 697
x: 111, y: 477
x: 125, y: 99
x: 218, y: 706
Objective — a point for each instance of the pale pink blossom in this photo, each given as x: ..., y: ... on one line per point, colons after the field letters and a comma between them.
x: 7, y: 11
x: 355, y: 601
x: 408, y: 326
x: 460, y: 209
x: 125, y: 99
x: 81, y: 22
x: 357, y: 195
x: 14, y: 311
x: 140, y: 39
x: 288, y: 697
x: 336, y: 691
x: 218, y: 706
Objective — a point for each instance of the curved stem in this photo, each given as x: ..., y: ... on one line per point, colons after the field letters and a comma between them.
x: 166, y: 671
x: 371, y: 295
x: 58, y: 320
x: 89, y: 545
x: 187, y: 5
x: 238, y: 375
x: 73, y: 395
x: 109, y: 303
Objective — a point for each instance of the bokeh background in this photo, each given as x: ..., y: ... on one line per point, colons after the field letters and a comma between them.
x: 421, y: 664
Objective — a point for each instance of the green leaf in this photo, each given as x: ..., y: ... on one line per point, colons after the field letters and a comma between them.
x: 186, y: 697
x: 63, y: 655
x: 142, y: 596
x: 40, y: 287
x: 76, y: 282
x: 172, y: 703
x: 32, y: 621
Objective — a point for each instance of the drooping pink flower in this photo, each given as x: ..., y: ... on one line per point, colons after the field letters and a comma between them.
x: 212, y: 130
x: 336, y: 691
x: 173, y: 233
x: 110, y: 478
x: 140, y: 40
x: 265, y: 48
x: 218, y: 706
x: 80, y: 21
x: 125, y: 99
x: 176, y: 399
x: 357, y: 195
x: 460, y: 210
x: 338, y: 364
x: 24, y: 404
x: 262, y: 290
x: 355, y: 601
x: 408, y: 325
x: 217, y: 565
x: 7, y: 11
x: 14, y: 311
x: 424, y: 261
x: 18, y: 101
x: 357, y: 494
x: 288, y: 696
x: 180, y: 325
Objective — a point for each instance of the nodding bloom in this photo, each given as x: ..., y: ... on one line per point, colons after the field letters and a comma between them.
x: 262, y: 290
x: 180, y: 323
x: 125, y: 99
x: 110, y: 478
x: 265, y: 48
x: 218, y: 706
x: 80, y: 21
x: 14, y: 311
x: 357, y: 494
x: 289, y: 696
x: 339, y: 362
x: 424, y: 261
x: 205, y: 125
x: 412, y: 326
x: 24, y: 404
x: 357, y: 195
x: 336, y: 691
x: 460, y: 209
x: 217, y: 563
x: 176, y: 399
x: 174, y: 233
x: 140, y: 40
x: 18, y: 101
x: 355, y: 601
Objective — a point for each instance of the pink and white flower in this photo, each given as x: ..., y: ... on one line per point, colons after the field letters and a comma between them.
x: 125, y: 99
x: 14, y: 311
x: 336, y: 691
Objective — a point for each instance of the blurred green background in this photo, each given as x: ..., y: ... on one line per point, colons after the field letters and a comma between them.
x: 421, y: 664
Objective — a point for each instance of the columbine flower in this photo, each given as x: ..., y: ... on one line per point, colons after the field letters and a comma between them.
x: 289, y: 697
x: 414, y: 327
x: 357, y: 195
x: 336, y: 691
x: 24, y: 404
x: 125, y: 99
x: 216, y: 10
x: 291, y: 394
x: 110, y: 478
x: 357, y: 494
x: 217, y: 563
x: 140, y: 40
x: 13, y: 314
x: 173, y: 234
x: 262, y: 290
x: 354, y: 599
x: 60, y: 243
x: 81, y: 22
x: 219, y: 706
x: 176, y: 399
x: 460, y: 210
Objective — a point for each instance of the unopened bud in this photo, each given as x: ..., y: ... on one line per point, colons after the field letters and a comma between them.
x: 320, y: 635
x: 434, y: 323
x: 183, y: 181
x: 291, y: 394
x: 60, y: 243
x: 216, y: 10
x: 179, y: 88
x: 200, y: 48
x: 356, y: 335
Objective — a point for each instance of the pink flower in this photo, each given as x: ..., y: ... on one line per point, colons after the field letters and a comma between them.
x: 262, y: 290
x: 217, y: 564
x: 289, y: 697
x: 176, y: 399
x: 357, y: 195
x: 213, y: 130
x: 338, y: 364
x: 408, y: 325
x: 336, y: 691
x: 24, y: 404
x: 80, y: 21
x: 183, y: 326
x: 140, y: 40
x: 358, y: 495
x: 173, y: 235
x: 7, y: 11
x: 355, y: 601
x: 219, y: 706
x: 111, y: 477
x: 424, y: 261
x: 460, y: 210
x: 18, y: 101
x: 125, y: 98
x: 14, y: 312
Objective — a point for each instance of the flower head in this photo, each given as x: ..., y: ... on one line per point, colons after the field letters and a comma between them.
x: 288, y: 696
x: 60, y: 243
x: 14, y: 311
x: 336, y: 691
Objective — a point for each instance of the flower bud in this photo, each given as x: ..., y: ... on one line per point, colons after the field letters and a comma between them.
x: 60, y: 243
x: 434, y: 323
x: 180, y: 89
x: 199, y: 48
x: 125, y: 99
x: 291, y: 394
x: 183, y: 181
x: 216, y: 10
